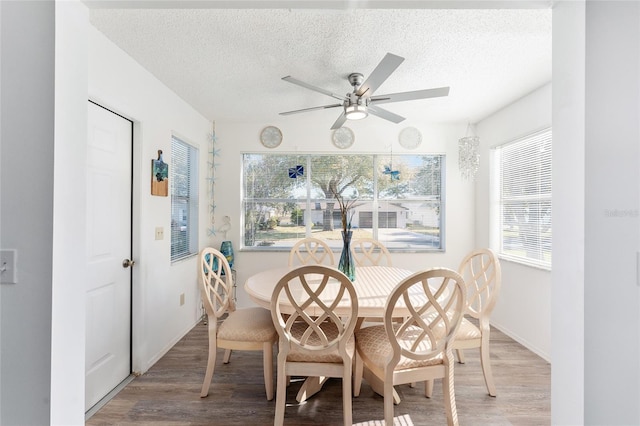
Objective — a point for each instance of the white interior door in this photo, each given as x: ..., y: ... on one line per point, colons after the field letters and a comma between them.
x: 108, y: 289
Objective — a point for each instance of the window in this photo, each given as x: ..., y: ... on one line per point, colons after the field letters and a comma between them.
x: 184, y: 199
x: 521, y: 185
x: 399, y: 199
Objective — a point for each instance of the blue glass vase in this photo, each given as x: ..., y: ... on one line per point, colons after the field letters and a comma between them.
x: 227, y: 250
x: 347, y: 265
x: 214, y: 266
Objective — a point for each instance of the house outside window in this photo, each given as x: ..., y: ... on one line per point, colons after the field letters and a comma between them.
x: 399, y: 199
x: 183, y: 179
x: 521, y: 190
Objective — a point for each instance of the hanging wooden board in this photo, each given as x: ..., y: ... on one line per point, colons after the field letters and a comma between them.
x: 159, y: 178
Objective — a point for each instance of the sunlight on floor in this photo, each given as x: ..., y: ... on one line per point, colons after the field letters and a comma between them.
x: 397, y: 421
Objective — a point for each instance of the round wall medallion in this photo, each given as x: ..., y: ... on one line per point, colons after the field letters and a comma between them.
x: 271, y: 136
x: 410, y: 138
x: 343, y: 137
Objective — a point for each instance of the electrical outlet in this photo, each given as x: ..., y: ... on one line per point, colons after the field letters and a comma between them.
x: 159, y: 233
x: 181, y: 299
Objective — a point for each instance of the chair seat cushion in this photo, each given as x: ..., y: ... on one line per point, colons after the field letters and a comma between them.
x: 373, y: 344
x: 248, y: 325
x: 298, y: 354
x: 468, y: 331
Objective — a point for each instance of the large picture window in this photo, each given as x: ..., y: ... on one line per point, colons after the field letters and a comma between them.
x: 184, y: 199
x: 521, y: 186
x: 398, y: 199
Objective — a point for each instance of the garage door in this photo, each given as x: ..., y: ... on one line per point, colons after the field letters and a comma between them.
x: 385, y: 220
x: 365, y: 220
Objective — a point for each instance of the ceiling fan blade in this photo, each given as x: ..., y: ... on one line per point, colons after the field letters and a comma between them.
x: 310, y: 109
x: 312, y: 87
x: 340, y: 121
x: 409, y: 96
x: 383, y: 113
x: 383, y: 70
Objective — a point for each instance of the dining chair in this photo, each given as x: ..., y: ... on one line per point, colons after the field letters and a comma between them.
x: 249, y: 329
x: 308, y: 251
x: 419, y: 348
x: 481, y: 272
x: 370, y: 252
x: 313, y: 339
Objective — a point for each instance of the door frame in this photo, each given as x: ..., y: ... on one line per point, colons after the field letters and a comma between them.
x: 134, y: 235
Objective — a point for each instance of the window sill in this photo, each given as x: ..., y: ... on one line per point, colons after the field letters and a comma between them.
x: 523, y: 262
x: 267, y: 249
x: 183, y: 258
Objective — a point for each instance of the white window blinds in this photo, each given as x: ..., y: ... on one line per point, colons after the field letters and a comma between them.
x: 184, y: 199
x: 523, y: 186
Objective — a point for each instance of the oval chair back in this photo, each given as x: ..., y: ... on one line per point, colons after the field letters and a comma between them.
x: 370, y: 252
x: 311, y: 251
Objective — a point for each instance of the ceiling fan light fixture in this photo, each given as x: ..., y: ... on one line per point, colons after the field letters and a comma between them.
x: 356, y: 112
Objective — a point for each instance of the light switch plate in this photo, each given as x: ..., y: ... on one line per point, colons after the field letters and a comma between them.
x: 159, y: 233
x: 8, y: 271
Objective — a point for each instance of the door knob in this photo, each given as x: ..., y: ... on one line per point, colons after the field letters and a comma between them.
x: 128, y: 263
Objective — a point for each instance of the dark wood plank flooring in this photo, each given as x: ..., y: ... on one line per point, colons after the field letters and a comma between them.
x: 169, y: 393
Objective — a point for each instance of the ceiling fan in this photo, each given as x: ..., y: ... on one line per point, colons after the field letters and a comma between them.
x: 362, y: 102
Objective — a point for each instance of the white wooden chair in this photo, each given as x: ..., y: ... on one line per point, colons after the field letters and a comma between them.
x: 310, y: 251
x: 367, y: 251
x: 314, y: 341
x: 419, y: 348
x: 370, y: 252
x: 481, y: 272
x: 249, y: 329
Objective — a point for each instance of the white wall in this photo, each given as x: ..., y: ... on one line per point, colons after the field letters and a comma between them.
x: 42, y: 365
x: 311, y: 133
x: 523, y: 310
x: 26, y: 212
x: 69, y: 204
x: 119, y: 83
x: 612, y: 183
x: 596, y: 105
x: 567, y: 309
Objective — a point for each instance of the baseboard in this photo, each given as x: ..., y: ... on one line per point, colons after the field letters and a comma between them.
x: 524, y: 342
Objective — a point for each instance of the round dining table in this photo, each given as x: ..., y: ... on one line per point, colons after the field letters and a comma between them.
x: 373, y: 284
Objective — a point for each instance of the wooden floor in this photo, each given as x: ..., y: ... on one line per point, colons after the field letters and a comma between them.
x: 169, y: 393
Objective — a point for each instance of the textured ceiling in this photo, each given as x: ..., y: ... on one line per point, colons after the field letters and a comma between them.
x: 228, y: 63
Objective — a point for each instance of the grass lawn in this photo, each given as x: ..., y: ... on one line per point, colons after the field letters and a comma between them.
x: 284, y: 233
x: 419, y: 229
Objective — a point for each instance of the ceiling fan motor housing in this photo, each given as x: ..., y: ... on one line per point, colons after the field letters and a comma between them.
x: 356, y: 79
x: 354, y: 99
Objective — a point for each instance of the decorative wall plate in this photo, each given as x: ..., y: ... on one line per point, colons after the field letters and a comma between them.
x: 410, y: 138
x: 343, y: 137
x: 271, y: 136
